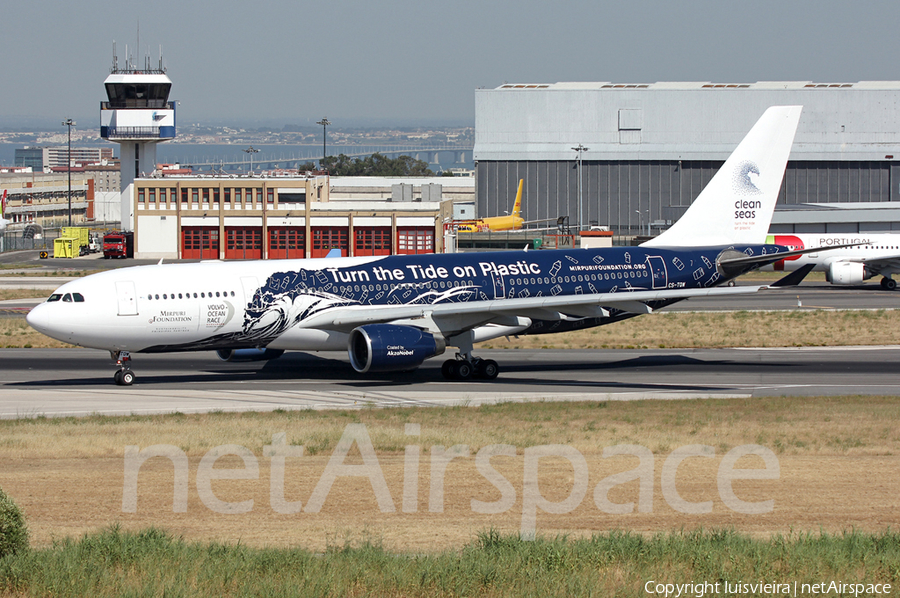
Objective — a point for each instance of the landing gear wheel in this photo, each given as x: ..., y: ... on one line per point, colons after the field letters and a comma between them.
x: 889, y: 284
x: 462, y: 370
x: 447, y: 369
x: 488, y: 369
x: 124, y: 377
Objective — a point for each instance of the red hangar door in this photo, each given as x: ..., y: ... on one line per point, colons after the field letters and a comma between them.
x: 326, y: 238
x: 200, y: 243
x: 415, y: 239
x: 243, y: 242
x: 287, y: 243
x: 372, y: 240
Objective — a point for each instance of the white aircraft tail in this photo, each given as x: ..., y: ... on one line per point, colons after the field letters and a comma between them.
x: 736, y: 206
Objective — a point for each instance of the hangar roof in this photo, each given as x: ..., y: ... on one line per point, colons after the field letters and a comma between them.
x: 682, y: 120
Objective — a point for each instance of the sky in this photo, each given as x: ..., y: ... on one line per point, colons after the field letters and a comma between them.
x: 401, y: 62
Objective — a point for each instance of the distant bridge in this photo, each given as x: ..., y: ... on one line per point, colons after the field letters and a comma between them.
x: 266, y: 161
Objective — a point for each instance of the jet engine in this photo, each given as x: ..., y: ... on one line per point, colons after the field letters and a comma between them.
x: 846, y: 273
x: 249, y: 354
x: 391, y: 348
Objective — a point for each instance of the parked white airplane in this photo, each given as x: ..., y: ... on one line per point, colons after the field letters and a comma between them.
x: 391, y: 313
x: 870, y: 256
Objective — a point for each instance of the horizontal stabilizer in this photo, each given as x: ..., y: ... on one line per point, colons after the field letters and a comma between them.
x: 794, y: 278
x: 733, y: 266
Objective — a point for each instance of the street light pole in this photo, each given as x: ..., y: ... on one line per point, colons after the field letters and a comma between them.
x: 324, y: 122
x: 580, y: 148
x: 251, y: 150
x: 69, y: 123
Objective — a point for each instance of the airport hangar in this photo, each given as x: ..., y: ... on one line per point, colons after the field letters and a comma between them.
x: 648, y: 150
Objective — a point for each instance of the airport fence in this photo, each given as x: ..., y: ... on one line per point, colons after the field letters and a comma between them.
x: 17, y: 241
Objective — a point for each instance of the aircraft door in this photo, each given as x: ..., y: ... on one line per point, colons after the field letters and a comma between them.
x: 499, y: 286
x: 127, y: 298
x: 250, y: 286
x: 658, y: 271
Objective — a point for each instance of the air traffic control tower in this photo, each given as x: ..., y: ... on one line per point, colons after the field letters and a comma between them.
x: 137, y: 115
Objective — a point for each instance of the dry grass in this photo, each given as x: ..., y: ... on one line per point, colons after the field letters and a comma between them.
x: 45, y: 273
x: 725, y: 329
x: 838, y: 462
x: 12, y: 294
x: 854, y: 426
x: 16, y: 333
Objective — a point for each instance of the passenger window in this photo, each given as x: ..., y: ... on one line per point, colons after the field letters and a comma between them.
x: 54, y: 297
x: 78, y: 297
x: 67, y: 298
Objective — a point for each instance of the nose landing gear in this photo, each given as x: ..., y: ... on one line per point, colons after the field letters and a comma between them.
x: 123, y: 376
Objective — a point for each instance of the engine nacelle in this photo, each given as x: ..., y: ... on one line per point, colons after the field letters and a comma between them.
x: 846, y: 273
x: 391, y: 348
x: 249, y: 354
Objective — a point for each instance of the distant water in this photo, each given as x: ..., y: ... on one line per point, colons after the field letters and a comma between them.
x: 196, y: 153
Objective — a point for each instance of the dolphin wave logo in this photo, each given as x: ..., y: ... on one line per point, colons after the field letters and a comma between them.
x: 744, y: 181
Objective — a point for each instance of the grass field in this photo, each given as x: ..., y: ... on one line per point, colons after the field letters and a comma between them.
x: 154, y: 563
x: 833, y: 515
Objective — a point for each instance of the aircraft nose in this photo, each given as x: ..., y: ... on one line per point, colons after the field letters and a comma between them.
x: 39, y: 318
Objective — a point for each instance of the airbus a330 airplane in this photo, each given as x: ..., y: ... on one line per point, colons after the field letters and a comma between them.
x: 870, y: 256
x: 391, y: 313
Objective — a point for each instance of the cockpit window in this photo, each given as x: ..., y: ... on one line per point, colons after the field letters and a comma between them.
x: 54, y: 297
x: 78, y: 297
x: 67, y: 298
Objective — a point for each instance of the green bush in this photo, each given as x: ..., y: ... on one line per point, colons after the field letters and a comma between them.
x: 13, y: 533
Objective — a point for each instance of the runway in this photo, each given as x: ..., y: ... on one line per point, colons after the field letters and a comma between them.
x: 74, y: 382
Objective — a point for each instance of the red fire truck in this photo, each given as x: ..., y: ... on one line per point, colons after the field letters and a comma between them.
x: 118, y: 244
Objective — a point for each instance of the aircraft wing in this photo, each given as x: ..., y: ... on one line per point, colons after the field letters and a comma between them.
x: 451, y: 318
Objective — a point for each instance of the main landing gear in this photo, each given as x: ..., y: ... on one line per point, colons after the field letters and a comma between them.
x: 466, y: 369
x: 888, y: 283
x: 466, y: 366
x: 124, y: 376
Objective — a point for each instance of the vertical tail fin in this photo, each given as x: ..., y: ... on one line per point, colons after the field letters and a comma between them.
x: 517, y: 207
x: 737, y: 204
